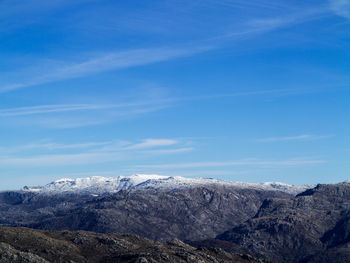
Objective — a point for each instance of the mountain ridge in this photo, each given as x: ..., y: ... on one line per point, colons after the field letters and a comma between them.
x: 195, y: 208
x: 100, y: 185
x: 259, y: 219
x: 314, y: 226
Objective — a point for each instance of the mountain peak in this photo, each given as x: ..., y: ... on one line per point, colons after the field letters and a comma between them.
x: 63, y: 180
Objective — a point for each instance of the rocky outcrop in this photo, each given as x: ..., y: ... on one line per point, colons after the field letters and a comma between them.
x: 35, y: 246
x: 312, y: 227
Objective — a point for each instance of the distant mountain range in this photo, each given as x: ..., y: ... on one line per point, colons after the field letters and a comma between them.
x: 103, y: 185
x: 271, y: 221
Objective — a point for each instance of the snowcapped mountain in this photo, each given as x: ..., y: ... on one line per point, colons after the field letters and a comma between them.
x: 100, y: 185
x: 94, y: 184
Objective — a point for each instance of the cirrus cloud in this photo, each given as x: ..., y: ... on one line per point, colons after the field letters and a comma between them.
x: 341, y: 7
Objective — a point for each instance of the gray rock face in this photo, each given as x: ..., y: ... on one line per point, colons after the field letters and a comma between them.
x: 9, y: 254
x: 312, y: 227
x: 193, y: 213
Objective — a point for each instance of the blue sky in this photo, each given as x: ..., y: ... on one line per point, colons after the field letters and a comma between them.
x: 238, y: 90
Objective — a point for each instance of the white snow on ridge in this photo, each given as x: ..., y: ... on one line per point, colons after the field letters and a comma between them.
x: 177, y: 182
x: 288, y: 188
x: 100, y: 185
x: 94, y: 184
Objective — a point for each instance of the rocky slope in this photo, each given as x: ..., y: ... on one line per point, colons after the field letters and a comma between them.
x: 160, y: 214
x: 312, y: 227
x: 21, y: 245
x: 157, y: 207
x: 263, y: 220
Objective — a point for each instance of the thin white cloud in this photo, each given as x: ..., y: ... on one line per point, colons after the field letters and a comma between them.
x: 106, y: 117
x: 258, y: 26
x: 64, y: 122
x: 341, y: 7
x: 303, y: 137
x: 55, y: 154
x: 138, y: 57
x: 57, y: 146
x: 105, y: 62
x: 272, y: 23
x: 76, y: 159
x: 141, y: 105
x: 67, y: 116
x: 254, y: 4
x: 170, y: 151
x: 244, y: 162
x: 44, y: 109
x: 152, y: 143
x: 70, y: 116
x: 79, y: 174
x: 209, y: 173
x: 18, y: 14
x: 58, y: 108
x: 59, y: 159
x: 10, y: 8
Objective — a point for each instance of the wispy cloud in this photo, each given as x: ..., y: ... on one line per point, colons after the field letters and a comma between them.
x: 257, y: 26
x: 61, y: 108
x: 116, y: 145
x: 210, y: 173
x: 341, y: 7
x: 304, y: 137
x: 58, y: 154
x: 52, y: 146
x: 152, y: 143
x: 254, y: 4
x: 58, y: 108
x: 60, y: 159
x: 18, y: 7
x: 243, y: 162
x: 30, y: 12
x: 92, y: 119
x: 267, y: 24
x: 108, y: 61
x: 169, y: 151
x: 44, y: 109
x: 63, y: 116
x: 254, y: 93
x: 112, y: 173
x: 69, y: 116
x: 105, y: 62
